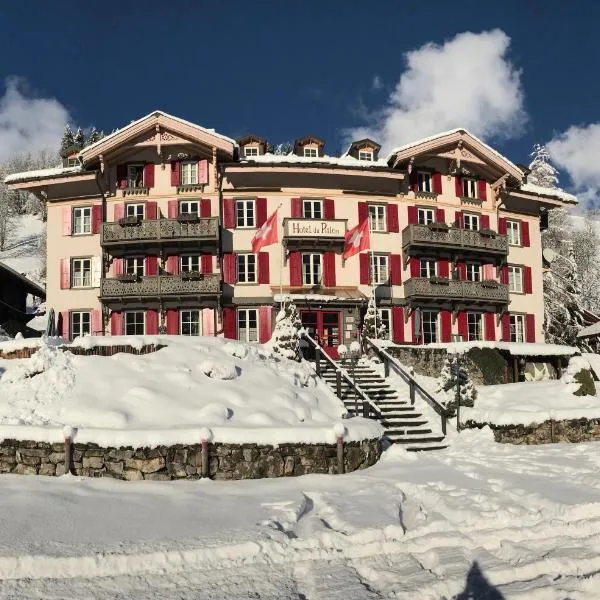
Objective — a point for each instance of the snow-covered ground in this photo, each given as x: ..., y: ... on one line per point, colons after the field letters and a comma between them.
x: 480, y: 519
x: 23, y: 252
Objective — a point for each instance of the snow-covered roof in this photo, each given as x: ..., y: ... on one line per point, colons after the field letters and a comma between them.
x: 340, y: 161
x: 43, y: 174
x: 33, y: 288
x: 593, y: 329
x: 552, y: 192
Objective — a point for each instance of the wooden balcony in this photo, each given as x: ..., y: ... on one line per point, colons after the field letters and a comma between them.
x: 314, y: 234
x: 419, y: 238
x: 418, y: 289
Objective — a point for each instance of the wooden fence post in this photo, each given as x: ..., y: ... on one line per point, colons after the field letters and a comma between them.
x: 340, y: 454
x: 338, y: 384
x: 68, y: 455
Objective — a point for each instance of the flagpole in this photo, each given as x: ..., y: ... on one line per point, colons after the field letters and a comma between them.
x: 282, y: 258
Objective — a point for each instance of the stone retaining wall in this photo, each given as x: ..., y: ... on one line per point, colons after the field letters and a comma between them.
x: 81, y: 351
x: 226, y: 461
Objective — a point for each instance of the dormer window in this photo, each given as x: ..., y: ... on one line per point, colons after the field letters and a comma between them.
x: 310, y: 152
x: 365, y: 155
x: 469, y: 188
x: 135, y: 176
x: 72, y: 162
x: 250, y: 151
x: 189, y: 173
x: 424, y: 181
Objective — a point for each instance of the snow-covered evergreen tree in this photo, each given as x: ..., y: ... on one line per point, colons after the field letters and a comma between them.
x: 283, y: 148
x: 95, y: 136
x: 543, y: 173
x: 447, y: 385
x: 286, y: 335
x: 79, y: 138
x: 586, y: 253
x: 373, y: 326
x: 68, y: 138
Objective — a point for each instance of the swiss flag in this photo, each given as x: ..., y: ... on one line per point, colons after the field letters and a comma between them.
x: 266, y: 235
x: 357, y: 239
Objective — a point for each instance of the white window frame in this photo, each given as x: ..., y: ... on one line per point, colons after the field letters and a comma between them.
x: 366, y: 155
x: 135, y: 209
x: 377, y: 218
x: 247, y: 214
x: 425, y: 216
x: 386, y: 319
x: 132, y: 170
x: 310, y: 208
x: 189, y: 207
x: 78, y: 272
x: 470, y: 187
x: 424, y: 181
x: 380, y: 269
x: 250, y: 151
x: 189, y: 263
x: 79, y: 315
x: 515, y: 279
x: 475, y: 322
x: 513, y: 231
x: 310, y: 152
x: 187, y: 321
x: 471, y: 221
x: 473, y: 271
x: 433, y: 326
x: 247, y: 333
x: 425, y: 269
x: 246, y: 265
x: 72, y: 162
x: 134, y: 315
x: 189, y: 172
x: 312, y: 268
x: 82, y: 216
x: 517, y: 328
x: 134, y: 265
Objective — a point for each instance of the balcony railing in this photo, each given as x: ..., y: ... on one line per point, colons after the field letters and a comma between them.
x: 161, y: 286
x: 452, y: 289
x: 314, y: 232
x: 455, y: 238
x: 161, y: 230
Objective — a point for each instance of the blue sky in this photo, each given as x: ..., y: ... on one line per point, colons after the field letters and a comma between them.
x: 320, y: 67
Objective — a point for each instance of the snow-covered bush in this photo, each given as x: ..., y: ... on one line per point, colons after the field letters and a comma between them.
x: 447, y: 385
x: 373, y: 326
x: 286, y: 335
x: 579, y: 372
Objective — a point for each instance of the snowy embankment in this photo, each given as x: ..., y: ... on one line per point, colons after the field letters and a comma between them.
x: 240, y: 391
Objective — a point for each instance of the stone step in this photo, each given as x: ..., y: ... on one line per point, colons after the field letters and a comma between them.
x: 427, y: 448
x: 419, y: 440
x: 397, y: 407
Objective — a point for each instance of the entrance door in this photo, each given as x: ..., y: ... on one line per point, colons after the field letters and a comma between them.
x: 325, y: 327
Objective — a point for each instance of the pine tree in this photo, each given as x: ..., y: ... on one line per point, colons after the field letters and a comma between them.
x: 68, y: 139
x: 542, y: 172
x: 95, y: 136
x: 373, y: 326
x: 447, y: 385
x: 80, y: 138
x: 286, y: 335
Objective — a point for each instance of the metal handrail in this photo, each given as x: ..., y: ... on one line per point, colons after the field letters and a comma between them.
x: 415, y: 386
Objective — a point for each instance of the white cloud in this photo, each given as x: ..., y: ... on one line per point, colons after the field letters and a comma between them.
x: 27, y: 123
x: 466, y: 82
x: 376, y: 84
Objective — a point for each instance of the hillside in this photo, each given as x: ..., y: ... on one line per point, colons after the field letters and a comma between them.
x: 24, y: 249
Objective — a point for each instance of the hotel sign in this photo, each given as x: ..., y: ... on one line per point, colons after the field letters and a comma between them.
x: 315, y: 228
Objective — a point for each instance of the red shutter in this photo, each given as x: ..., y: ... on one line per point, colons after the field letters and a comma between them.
x: 530, y: 328
x: 118, y: 211
x: 296, y: 208
x: 295, y: 263
x: 506, y: 327
x: 443, y: 268
x: 525, y: 241
x: 65, y: 273
x: 485, y: 221
x: 67, y: 220
x: 502, y: 226
x: 97, y: 325
x: 264, y: 324
x: 175, y: 173
x: 121, y: 176
x: 490, y: 327
x: 203, y: 171
x: 96, y: 218
x: 117, y: 266
x: 392, y: 218
x: 329, y: 269
x: 261, y: 211
x: 206, y: 263
x: 446, y: 325
x: 151, y: 266
x: 116, y: 323
x: 364, y: 269
x: 527, y: 282
x: 363, y: 211
x: 172, y: 265
x: 229, y: 324
x: 504, y: 274
x: 151, y: 322
x: 64, y: 325
x: 208, y: 322
x: 151, y: 210
x: 229, y: 268
x: 229, y: 213
x: 459, y: 219
x: 263, y: 267
x: 413, y: 179
x: 205, y: 207
x: 463, y: 328
x: 149, y: 175
x: 461, y: 269
x: 415, y: 267
x: 458, y: 187
x: 173, y: 209
x: 397, y: 324
x: 172, y: 321
x: 412, y: 215
x: 395, y: 269
x: 440, y: 215
x: 328, y: 208
x: 437, y: 183
x: 482, y: 189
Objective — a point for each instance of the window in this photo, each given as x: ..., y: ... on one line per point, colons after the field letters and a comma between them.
x: 81, y: 272
x: 189, y: 208
x: 82, y: 220
x: 377, y: 221
x: 474, y: 327
x: 312, y: 209
x: 80, y: 324
x: 425, y: 216
x: 250, y: 151
x: 189, y: 173
x: 515, y: 279
x: 72, y: 162
x: 379, y: 269
x: 428, y: 267
x: 190, y: 264
x: 135, y: 210
x: 311, y: 269
x: 246, y: 268
x: 134, y: 322
x: 471, y: 221
x: 386, y: 321
x: 365, y: 155
x: 469, y: 188
x: 135, y: 176
x: 430, y: 327
x: 189, y: 322
x: 513, y: 230
x: 473, y: 272
x: 247, y: 324
x: 134, y: 265
x: 310, y: 152
x: 244, y: 211
x: 424, y: 181
x: 517, y: 328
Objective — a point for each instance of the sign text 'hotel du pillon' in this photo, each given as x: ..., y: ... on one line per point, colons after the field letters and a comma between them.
x: 315, y: 228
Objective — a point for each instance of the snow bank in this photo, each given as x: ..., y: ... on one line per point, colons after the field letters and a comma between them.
x: 135, y: 341
x: 22, y: 343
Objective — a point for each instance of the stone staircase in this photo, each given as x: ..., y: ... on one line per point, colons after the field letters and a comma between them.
x: 404, y: 422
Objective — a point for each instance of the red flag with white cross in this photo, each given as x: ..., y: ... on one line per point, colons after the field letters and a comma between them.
x: 266, y: 235
x: 357, y: 239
